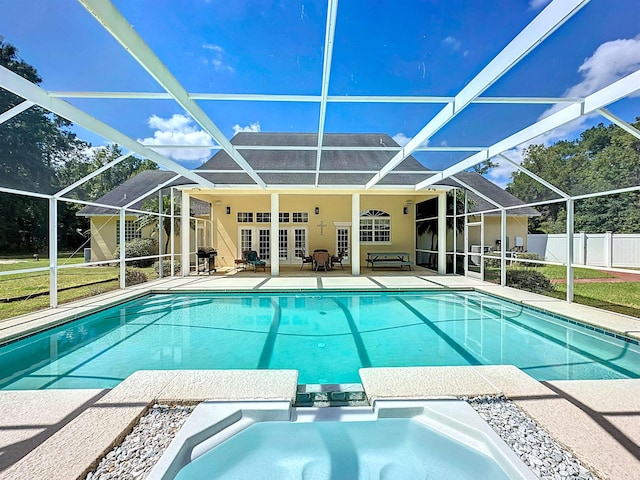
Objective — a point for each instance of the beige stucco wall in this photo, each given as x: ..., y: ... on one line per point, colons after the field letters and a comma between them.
x: 334, y: 208
x: 516, y: 227
x: 104, y: 231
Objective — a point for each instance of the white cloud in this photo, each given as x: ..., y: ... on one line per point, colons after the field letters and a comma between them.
x: 538, y: 4
x: 252, y: 127
x: 179, y: 130
x: 452, y: 42
x: 610, y: 62
x: 401, y: 139
x: 218, y: 57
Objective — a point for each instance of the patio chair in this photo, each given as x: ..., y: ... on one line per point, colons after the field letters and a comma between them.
x: 322, y: 260
x: 338, y: 259
x: 253, y: 259
x: 304, y: 258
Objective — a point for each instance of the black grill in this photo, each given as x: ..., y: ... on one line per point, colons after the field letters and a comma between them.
x: 204, y: 254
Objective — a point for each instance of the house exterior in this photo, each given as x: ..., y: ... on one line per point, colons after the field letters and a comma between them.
x: 321, y: 204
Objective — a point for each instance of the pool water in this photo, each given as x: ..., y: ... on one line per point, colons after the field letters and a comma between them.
x: 327, y: 337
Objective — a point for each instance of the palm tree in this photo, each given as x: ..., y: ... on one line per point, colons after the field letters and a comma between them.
x: 149, y: 219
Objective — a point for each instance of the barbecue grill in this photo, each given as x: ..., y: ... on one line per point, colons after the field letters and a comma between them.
x: 204, y: 254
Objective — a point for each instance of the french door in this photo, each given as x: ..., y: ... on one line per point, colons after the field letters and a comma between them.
x: 290, y: 241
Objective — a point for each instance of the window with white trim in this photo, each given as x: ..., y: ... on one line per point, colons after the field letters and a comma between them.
x: 375, y: 227
x: 130, y: 231
x: 263, y: 217
x: 300, y: 217
x: 283, y: 217
x: 245, y: 217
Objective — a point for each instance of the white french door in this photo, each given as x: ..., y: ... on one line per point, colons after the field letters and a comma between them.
x: 290, y: 240
x: 343, y: 242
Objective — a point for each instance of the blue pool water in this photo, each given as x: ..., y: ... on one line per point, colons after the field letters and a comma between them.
x: 327, y: 337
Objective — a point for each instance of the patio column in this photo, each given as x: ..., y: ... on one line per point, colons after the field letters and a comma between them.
x: 123, y: 254
x: 53, y: 252
x: 275, y: 235
x: 503, y: 249
x: 570, y: 250
x: 355, y: 234
x: 442, y: 234
x: 160, y: 235
x: 185, y: 232
x: 172, y: 235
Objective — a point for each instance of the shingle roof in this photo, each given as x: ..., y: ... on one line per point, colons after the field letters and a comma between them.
x: 337, y: 168
x: 135, y: 187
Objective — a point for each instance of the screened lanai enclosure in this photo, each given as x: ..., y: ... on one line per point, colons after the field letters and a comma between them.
x: 476, y: 138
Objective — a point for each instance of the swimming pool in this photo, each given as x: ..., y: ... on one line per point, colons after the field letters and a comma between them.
x: 327, y: 337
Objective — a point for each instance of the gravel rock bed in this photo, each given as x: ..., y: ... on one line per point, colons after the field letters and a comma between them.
x: 536, y: 448
x: 140, y: 450
x: 134, y: 458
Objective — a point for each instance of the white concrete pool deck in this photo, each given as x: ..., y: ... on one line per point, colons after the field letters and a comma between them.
x: 61, y: 434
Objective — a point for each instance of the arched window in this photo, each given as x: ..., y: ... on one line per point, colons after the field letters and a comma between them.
x: 375, y: 227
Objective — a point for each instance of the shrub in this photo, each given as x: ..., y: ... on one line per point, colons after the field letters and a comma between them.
x: 166, y: 268
x: 133, y: 276
x: 528, y: 256
x: 139, y: 247
x: 528, y: 279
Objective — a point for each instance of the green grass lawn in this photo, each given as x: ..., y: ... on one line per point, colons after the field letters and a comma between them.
x: 620, y: 297
x: 623, y: 297
x: 554, y: 272
x: 83, y: 281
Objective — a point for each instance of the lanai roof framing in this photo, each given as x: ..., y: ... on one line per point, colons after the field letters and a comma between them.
x: 548, y: 21
x: 113, y: 21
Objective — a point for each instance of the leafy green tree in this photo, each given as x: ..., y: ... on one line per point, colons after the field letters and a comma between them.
x: 33, y: 145
x: 152, y: 204
x: 81, y: 166
x: 603, y: 158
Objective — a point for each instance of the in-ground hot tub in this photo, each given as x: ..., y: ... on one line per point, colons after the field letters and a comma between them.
x: 426, y: 439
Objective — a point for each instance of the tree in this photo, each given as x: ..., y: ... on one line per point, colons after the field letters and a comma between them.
x: 95, y: 158
x: 152, y: 204
x: 33, y: 145
x: 603, y: 158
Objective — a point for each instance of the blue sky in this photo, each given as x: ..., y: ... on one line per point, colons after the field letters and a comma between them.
x: 413, y: 47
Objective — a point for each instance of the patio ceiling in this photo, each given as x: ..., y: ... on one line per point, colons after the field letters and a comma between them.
x: 437, y: 111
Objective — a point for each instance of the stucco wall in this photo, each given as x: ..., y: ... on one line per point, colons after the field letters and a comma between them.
x: 104, y: 232
x: 333, y: 208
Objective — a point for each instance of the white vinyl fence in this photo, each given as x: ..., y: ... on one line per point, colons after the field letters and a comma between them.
x: 592, y: 249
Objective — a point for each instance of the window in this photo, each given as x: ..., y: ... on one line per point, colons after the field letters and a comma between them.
x: 300, y: 217
x: 375, y: 227
x: 245, y: 217
x: 263, y: 217
x: 284, y: 217
x: 130, y: 231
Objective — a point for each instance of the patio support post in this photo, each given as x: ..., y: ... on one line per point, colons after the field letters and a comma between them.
x: 442, y: 233
x: 355, y: 234
x: 482, y: 246
x: 455, y: 231
x: 53, y: 252
x: 185, y: 257
x: 172, y: 234
x: 160, y: 234
x: 503, y: 247
x: 123, y: 265
x: 275, y: 235
x: 466, y: 235
x: 570, y: 202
